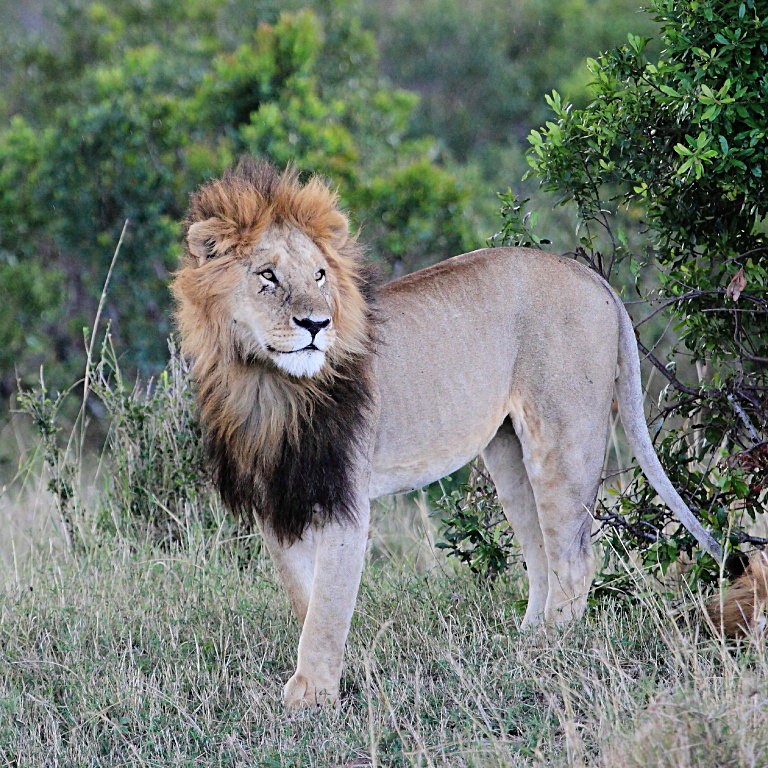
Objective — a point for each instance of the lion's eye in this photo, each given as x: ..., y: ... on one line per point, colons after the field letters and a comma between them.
x: 269, y: 275
x: 320, y: 276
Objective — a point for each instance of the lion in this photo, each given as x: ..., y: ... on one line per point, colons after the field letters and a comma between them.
x: 742, y: 609
x: 318, y: 393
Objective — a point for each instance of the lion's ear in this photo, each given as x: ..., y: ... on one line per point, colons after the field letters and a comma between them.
x: 338, y: 226
x: 203, y: 239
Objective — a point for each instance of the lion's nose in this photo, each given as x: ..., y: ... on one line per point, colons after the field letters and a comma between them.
x: 313, y: 326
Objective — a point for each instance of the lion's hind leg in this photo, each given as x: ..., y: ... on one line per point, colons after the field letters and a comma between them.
x: 504, y: 459
x: 563, y: 455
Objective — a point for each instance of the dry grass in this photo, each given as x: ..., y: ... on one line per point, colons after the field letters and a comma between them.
x: 28, y: 524
x: 138, y: 656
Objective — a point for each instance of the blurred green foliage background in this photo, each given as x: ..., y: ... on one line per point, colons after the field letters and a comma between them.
x: 421, y: 114
x: 115, y: 111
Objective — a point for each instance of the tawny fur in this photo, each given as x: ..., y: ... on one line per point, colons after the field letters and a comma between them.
x: 743, y: 608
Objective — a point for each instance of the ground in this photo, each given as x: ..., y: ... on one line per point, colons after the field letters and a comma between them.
x: 132, y: 654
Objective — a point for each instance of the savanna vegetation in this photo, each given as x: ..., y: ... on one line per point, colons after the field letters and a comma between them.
x: 116, y: 111
x: 139, y: 625
x: 135, y: 656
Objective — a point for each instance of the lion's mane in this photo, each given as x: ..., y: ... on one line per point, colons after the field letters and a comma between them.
x: 281, y: 448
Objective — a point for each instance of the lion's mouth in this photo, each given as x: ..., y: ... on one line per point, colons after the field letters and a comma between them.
x: 308, y: 348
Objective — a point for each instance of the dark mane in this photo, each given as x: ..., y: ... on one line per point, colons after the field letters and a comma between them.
x: 311, y: 476
x: 282, y: 449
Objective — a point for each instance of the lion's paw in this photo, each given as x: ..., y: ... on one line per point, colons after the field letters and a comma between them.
x: 300, y: 691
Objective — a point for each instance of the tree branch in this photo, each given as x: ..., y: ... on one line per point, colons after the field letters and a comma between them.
x: 667, y: 375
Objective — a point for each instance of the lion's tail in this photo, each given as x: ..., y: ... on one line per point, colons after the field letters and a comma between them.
x: 630, y: 399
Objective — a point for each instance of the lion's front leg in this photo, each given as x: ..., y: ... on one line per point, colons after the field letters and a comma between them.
x: 295, y: 564
x: 339, y: 555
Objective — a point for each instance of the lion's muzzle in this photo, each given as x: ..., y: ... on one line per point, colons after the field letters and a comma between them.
x: 313, y: 326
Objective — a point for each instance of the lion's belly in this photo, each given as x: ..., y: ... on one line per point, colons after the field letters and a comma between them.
x: 423, y: 438
x: 408, y: 476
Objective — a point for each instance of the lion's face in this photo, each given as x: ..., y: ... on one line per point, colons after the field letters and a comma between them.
x: 282, y: 304
x: 271, y: 276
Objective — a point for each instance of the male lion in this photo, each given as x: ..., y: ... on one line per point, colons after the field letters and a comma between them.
x: 318, y: 394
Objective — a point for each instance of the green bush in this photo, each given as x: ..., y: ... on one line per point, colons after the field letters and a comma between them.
x: 473, y: 527
x: 152, y: 479
x: 157, y: 470
x: 679, y: 136
x: 112, y: 125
